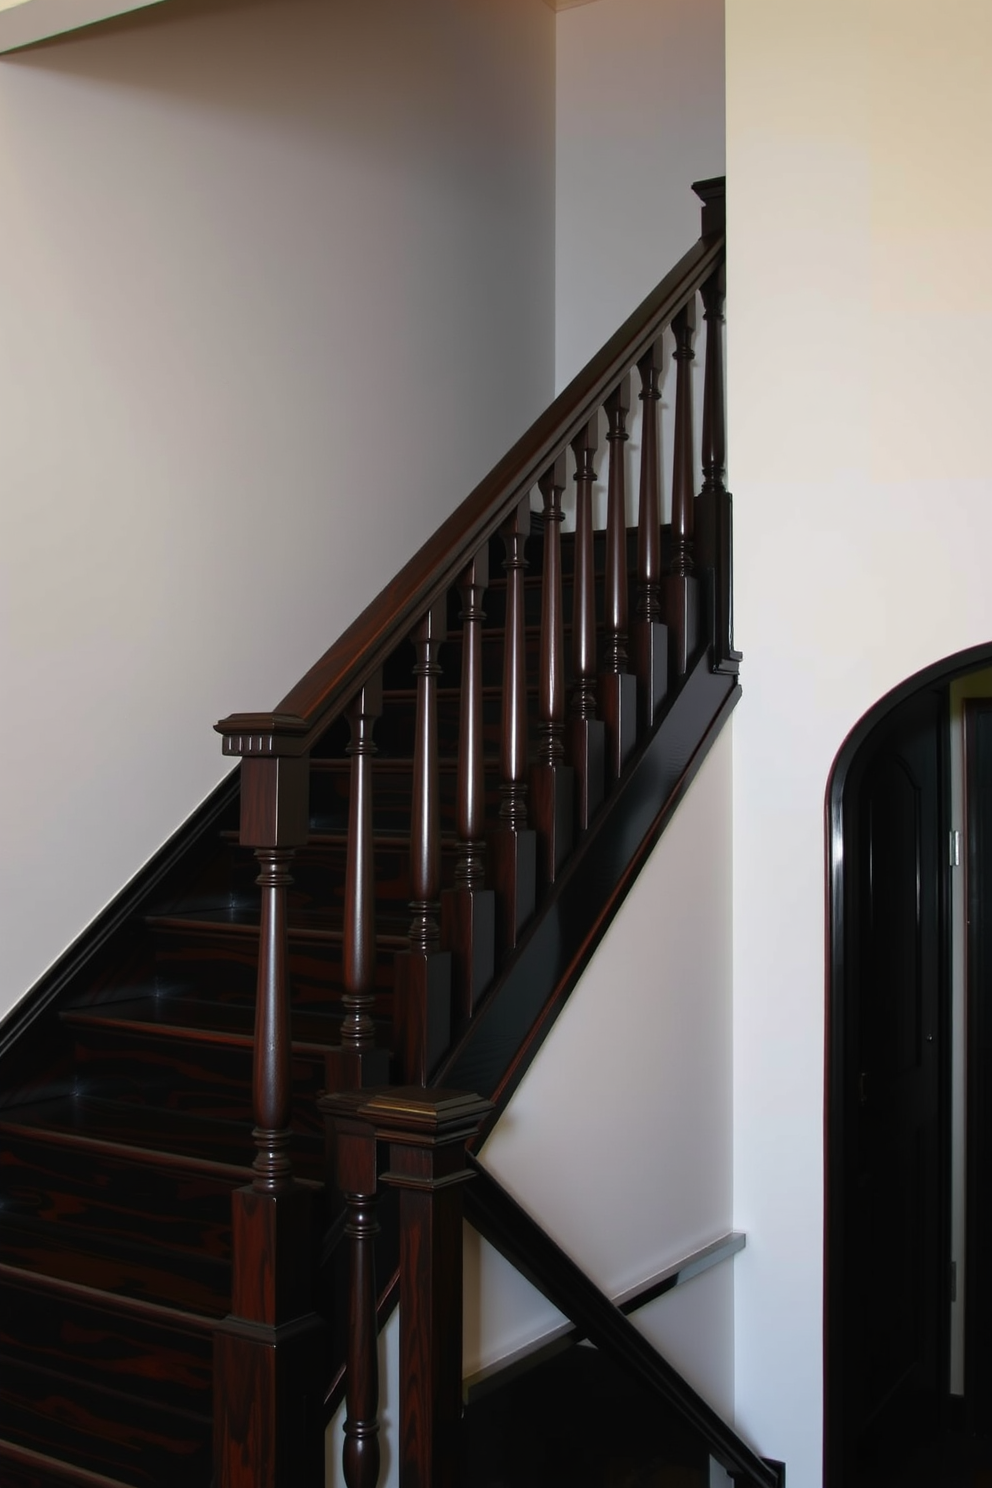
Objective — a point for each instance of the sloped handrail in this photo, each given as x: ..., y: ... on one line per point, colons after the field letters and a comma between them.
x: 305, y: 712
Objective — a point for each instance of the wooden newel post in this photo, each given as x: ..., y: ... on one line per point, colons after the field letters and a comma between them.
x: 423, y: 973
x: 648, y: 636
x: 468, y: 911
x: 617, y: 689
x: 714, y: 513
x: 513, y: 845
x: 428, y: 1132
x: 552, y: 786
x: 585, y: 733
x: 267, y: 1352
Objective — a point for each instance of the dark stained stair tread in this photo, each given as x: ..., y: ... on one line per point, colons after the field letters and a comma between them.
x: 63, y: 1255
x: 142, y: 1445
x: 20, y: 1467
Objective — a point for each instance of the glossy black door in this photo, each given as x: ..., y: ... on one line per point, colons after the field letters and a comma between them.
x: 895, y: 1284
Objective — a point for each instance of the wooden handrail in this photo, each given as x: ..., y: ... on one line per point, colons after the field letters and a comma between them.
x: 303, y: 714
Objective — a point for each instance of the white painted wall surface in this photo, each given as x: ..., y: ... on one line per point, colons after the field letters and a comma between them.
x: 25, y: 21
x: 859, y: 313
x: 278, y: 290
x: 640, y: 116
x: 618, y: 1139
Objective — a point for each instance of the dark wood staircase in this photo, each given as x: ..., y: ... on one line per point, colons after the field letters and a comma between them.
x: 172, y: 1268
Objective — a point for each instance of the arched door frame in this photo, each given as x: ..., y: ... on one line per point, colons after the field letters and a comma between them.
x: 939, y: 674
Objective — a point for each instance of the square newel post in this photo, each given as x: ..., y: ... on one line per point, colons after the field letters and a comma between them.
x: 268, y: 1426
x: 428, y: 1132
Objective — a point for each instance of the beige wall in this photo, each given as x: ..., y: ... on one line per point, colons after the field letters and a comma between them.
x: 858, y: 139
x: 278, y: 289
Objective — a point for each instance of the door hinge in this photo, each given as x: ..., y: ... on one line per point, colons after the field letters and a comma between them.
x: 955, y: 849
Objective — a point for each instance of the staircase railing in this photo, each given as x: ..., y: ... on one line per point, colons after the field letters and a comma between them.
x: 459, y: 941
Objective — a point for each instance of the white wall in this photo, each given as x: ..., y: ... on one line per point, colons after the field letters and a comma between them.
x: 278, y: 289
x: 640, y: 116
x: 628, y: 1103
x: 859, y: 312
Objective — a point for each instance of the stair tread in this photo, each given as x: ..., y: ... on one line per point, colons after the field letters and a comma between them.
x: 38, y: 1468
x: 217, y: 1022
x: 311, y: 925
x: 64, y: 1255
x: 101, y: 1430
x: 135, y: 1131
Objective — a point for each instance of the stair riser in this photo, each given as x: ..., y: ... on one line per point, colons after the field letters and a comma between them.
x: 146, y: 1359
x: 129, y: 1201
x: 223, y: 967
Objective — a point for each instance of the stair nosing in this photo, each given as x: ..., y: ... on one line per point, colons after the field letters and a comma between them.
x: 110, y: 1301
x: 82, y: 1477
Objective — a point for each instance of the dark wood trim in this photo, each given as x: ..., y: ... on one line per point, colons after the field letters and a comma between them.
x: 519, y: 1010
x: 940, y: 673
x: 535, y: 1255
x: 307, y: 709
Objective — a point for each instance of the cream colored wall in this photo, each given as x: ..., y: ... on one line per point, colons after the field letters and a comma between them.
x: 26, y: 21
x: 640, y: 116
x: 278, y: 289
x: 859, y: 307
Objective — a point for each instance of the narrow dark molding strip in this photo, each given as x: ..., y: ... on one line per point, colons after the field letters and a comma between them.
x: 522, y: 1242
x: 511, y: 1365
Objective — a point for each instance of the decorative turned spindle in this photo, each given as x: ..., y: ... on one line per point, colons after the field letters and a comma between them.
x: 468, y: 911
x: 423, y: 987
x: 648, y: 636
x: 714, y: 294
x: 551, y: 782
x: 357, y: 1063
x: 272, y: 1081
x: 354, y: 1145
x: 272, y: 1335
x: 512, y: 846
x: 586, y: 744
x: 617, y: 691
x: 680, y: 589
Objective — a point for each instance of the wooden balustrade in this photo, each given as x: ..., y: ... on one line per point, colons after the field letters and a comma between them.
x: 513, y: 845
x: 617, y: 689
x: 586, y: 734
x: 552, y: 786
x: 423, y: 974
x: 268, y: 1350
x: 468, y: 910
x: 649, y: 637
x: 681, y: 587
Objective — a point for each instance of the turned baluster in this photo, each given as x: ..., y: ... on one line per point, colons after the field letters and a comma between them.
x: 648, y: 636
x: 357, y: 1063
x: 468, y: 911
x: 617, y: 690
x: 512, y: 846
x: 354, y: 1144
x: 268, y: 1348
x: 551, y: 780
x: 585, y: 732
x: 423, y: 974
x: 680, y: 589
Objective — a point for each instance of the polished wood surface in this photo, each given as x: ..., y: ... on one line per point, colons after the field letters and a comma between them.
x: 680, y: 590
x: 648, y: 635
x: 617, y: 690
x: 586, y: 734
